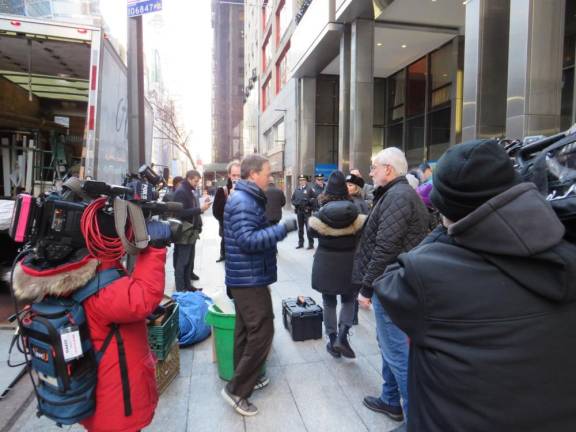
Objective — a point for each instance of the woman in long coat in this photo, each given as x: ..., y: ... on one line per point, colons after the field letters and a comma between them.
x: 337, y: 226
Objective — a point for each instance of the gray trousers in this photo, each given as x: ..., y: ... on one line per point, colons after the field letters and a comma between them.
x: 346, y: 312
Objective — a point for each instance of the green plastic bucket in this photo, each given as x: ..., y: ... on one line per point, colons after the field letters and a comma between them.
x: 223, y: 331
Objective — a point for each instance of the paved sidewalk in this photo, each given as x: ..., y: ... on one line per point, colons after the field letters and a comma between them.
x: 309, y: 390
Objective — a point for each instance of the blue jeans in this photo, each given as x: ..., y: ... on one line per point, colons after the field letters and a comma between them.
x: 394, y: 349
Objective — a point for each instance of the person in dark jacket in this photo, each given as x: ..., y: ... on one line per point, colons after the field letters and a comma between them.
x: 220, y: 199
x: 489, y: 303
x: 337, y: 225
x: 355, y: 187
x: 275, y: 201
x: 303, y: 200
x: 397, y: 223
x: 169, y: 197
x: 191, y: 216
x: 250, y: 269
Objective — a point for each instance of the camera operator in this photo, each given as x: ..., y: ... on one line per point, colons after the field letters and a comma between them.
x: 185, y: 241
x: 126, y: 394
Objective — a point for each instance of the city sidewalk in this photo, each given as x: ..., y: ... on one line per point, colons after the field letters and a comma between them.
x: 309, y: 390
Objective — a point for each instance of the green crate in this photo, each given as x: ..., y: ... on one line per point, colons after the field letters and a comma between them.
x: 161, y: 337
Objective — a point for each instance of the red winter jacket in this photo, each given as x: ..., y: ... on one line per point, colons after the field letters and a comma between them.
x: 126, y: 302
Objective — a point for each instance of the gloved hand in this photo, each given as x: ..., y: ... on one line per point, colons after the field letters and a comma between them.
x: 290, y: 225
x: 159, y: 233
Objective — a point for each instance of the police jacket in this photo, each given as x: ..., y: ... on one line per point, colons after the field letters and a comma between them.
x: 249, y: 240
x: 303, y: 198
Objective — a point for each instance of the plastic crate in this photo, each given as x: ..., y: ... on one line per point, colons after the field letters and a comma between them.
x: 161, y: 337
x: 168, y: 369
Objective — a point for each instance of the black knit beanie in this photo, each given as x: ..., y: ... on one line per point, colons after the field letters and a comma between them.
x: 354, y: 179
x: 470, y: 174
x: 336, y: 184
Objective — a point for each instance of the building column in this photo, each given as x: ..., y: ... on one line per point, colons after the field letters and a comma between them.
x: 361, y: 94
x: 307, y: 114
x: 535, y: 67
x: 485, y: 68
x: 344, y: 101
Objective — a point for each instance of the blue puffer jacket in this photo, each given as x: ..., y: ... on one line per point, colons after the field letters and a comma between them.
x: 250, y: 242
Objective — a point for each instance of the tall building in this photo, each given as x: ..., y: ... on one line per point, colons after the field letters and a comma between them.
x: 421, y: 75
x: 228, y: 78
x: 270, y: 108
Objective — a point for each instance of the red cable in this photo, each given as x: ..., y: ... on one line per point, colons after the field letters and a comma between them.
x: 104, y: 248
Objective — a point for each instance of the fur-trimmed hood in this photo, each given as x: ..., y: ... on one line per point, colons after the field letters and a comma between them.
x: 326, y: 230
x: 30, y: 284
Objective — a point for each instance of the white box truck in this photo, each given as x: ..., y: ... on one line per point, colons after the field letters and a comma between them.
x: 63, y: 105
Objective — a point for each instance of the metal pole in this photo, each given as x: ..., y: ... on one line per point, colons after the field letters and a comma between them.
x: 136, y: 127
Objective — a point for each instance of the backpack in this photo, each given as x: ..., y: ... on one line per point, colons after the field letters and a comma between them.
x: 60, y: 355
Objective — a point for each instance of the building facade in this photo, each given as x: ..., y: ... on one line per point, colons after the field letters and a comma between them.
x: 421, y: 75
x: 228, y: 80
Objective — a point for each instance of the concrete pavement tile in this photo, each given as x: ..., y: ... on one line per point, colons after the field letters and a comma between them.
x: 278, y: 410
x: 172, y: 411
x: 320, y: 399
x: 207, y: 411
x: 29, y: 422
x: 186, y: 361
x: 358, y: 379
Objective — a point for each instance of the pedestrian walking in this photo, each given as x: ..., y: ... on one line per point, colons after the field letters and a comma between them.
x: 222, y: 194
x: 337, y: 225
x: 250, y: 270
x: 397, y: 223
x: 275, y: 201
x: 185, y: 240
x: 303, y: 201
x: 489, y: 303
x: 355, y: 187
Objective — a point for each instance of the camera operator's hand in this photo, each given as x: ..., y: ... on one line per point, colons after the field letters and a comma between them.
x: 159, y: 233
x: 290, y: 225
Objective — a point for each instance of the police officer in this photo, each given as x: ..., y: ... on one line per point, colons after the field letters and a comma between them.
x: 303, y: 201
x: 317, y: 188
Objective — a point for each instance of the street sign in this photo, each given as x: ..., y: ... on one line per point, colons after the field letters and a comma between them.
x: 141, y: 7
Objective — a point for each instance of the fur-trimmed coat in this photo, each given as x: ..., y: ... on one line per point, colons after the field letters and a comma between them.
x: 337, y: 226
x: 126, y: 302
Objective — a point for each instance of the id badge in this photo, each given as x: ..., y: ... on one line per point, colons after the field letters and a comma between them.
x: 71, y: 343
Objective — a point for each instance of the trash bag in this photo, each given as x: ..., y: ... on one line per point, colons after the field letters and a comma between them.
x: 192, y: 316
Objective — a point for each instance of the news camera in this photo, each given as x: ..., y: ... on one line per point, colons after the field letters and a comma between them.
x: 52, y: 224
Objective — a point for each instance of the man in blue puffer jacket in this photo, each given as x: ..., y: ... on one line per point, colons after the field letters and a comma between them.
x: 250, y: 268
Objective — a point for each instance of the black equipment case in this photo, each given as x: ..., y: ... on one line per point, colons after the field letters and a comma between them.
x: 302, y: 318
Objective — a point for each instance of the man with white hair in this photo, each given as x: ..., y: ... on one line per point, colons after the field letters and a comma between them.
x: 397, y: 223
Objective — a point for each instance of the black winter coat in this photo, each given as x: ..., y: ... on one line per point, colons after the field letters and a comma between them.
x: 191, y: 212
x: 275, y: 200
x: 490, y: 308
x: 303, y: 199
x: 337, y: 226
x: 398, y: 222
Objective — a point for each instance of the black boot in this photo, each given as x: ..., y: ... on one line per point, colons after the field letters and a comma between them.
x: 342, y: 345
x: 330, y: 346
x: 300, y: 246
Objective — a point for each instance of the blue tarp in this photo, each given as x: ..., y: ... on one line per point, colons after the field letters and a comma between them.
x: 193, y: 310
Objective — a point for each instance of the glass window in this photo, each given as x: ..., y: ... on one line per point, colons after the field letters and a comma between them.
x: 280, y: 134
x: 378, y: 134
x: 569, y: 33
x: 326, y: 144
x: 327, y: 100
x: 416, y: 88
x: 439, y: 124
x: 396, y: 86
x: 266, y: 95
x: 282, y: 71
x: 441, y: 67
x: 567, y: 98
x: 379, y: 101
x: 284, y: 20
x: 395, y: 133
x: 266, y: 53
x: 414, y: 150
